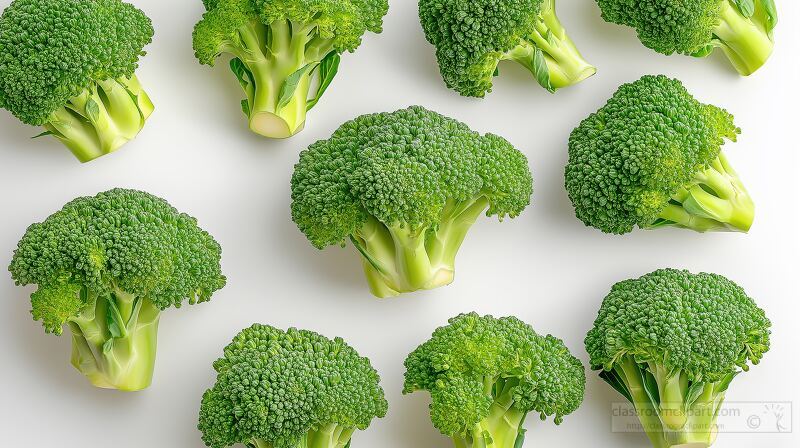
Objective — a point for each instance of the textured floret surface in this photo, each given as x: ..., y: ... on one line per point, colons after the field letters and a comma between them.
x: 51, y: 50
x: 472, y: 352
x: 702, y: 324
x: 119, y: 240
x: 630, y: 157
x: 275, y: 386
x: 402, y: 168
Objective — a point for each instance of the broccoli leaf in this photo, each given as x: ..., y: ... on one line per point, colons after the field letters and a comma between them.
x: 613, y: 380
x: 290, y: 85
x: 704, y: 51
x: 92, y: 110
x: 746, y: 7
x: 327, y: 71
x: 541, y: 71
x: 114, y: 320
x: 772, y: 13
x: 42, y: 134
x: 691, y: 395
x: 650, y: 387
x: 723, y: 384
x: 244, y: 75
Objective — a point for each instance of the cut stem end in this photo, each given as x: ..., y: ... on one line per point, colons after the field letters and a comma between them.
x: 272, y: 126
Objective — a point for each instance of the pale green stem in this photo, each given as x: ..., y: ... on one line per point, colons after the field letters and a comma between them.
x: 746, y: 42
x: 125, y: 362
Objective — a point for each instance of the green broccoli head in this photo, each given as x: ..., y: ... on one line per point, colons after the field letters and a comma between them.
x: 405, y: 187
x: 106, y: 266
x: 651, y: 157
x: 69, y: 66
x: 285, y: 52
x: 485, y: 374
x: 473, y: 36
x: 743, y: 29
x: 671, y: 342
x: 289, y: 389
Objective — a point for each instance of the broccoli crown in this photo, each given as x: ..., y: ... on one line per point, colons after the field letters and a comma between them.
x: 275, y: 386
x: 471, y: 35
x: 118, y: 240
x: 702, y: 324
x: 402, y: 167
x: 51, y: 50
x: 342, y: 21
x: 666, y: 26
x: 650, y: 139
x: 474, y: 351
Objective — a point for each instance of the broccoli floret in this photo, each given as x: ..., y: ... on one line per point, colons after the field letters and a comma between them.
x: 485, y: 374
x: 106, y: 266
x: 405, y: 187
x: 741, y: 28
x: 671, y: 342
x: 473, y: 36
x: 652, y: 157
x: 69, y: 66
x: 285, y: 53
x: 289, y: 389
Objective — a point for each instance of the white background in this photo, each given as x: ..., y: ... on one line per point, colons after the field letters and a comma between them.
x: 545, y: 267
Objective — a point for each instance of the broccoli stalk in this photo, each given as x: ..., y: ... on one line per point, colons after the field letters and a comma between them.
x: 405, y: 187
x: 672, y: 410
x: 652, y: 157
x: 743, y: 29
x: 502, y: 426
x: 671, y: 342
x: 106, y: 266
x: 485, y: 374
x: 745, y: 33
x: 114, y: 341
x: 289, y: 389
x: 398, y: 258
x: 473, y: 36
x: 715, y: 200
x: 69, y: 66
x: 277, y: 65
x: 549, y: 53
x: 103, y: 117
x: 331, y: 435
x: 286, y: 54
